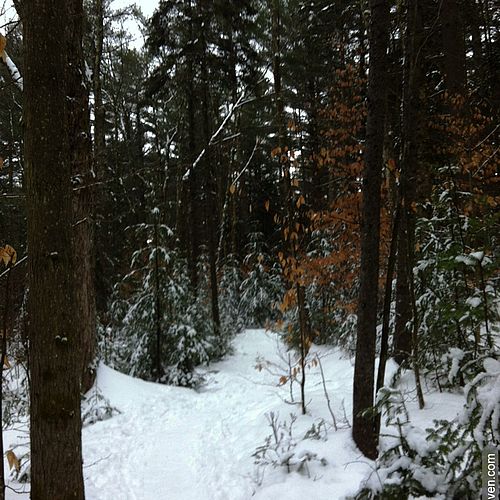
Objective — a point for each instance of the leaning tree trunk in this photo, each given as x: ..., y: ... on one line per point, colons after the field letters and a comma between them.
x: 52, y: 55
x: 364, y: 427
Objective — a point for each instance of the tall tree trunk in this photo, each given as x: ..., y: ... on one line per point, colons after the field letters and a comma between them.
x: 290, y: 245
x: 275, y: 6
x: 99, y: 112
x: 101, y: 284
x: 386, y: 313
x: 193, y: 220
x: 227, y: 245
x: 210, y: 184
x: 410, y: 167
x: 453, y: 39
x: 83, y: 180
x: 402, y: 330
x: 157, y: 354
x: 364, y: 427
x: 57, y: 320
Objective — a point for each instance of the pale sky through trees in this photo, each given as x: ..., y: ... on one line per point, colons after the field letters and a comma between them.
x: 147, y: 7
x: 8, y: 13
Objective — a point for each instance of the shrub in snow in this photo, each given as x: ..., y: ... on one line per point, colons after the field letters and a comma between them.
x: 190, y: 351
x: 402, y: 468
x: 446, y: 459
x: 19, y: 459
x: 96, y: 407
x: 457, y: 304
x: 280, y: 448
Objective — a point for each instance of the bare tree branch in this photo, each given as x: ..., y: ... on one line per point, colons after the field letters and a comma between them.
x: 230, y: 113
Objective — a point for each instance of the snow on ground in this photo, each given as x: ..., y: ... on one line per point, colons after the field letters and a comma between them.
x: 171, y: 443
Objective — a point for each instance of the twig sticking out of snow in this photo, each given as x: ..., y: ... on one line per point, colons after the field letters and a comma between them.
x: 334, y: 420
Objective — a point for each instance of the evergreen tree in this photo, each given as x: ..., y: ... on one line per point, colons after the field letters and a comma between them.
x: 262, y: 288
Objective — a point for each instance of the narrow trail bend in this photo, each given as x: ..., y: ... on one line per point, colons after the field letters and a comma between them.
x: 178, y: 444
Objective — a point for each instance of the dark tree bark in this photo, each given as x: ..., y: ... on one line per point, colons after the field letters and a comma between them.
x: 82, y: 180
x: 402, y: 331
x: 386, y: 314
x: 157, y: 354
x: 55, y: 133
x: 290, y: 245
x: 276, y: 27
x: 99, y: 111
x: 102, y: 286
x: 453, y: 39
x: 210, y: 198
x: 194, y: 208
x: 410, y: 170
x: 364, y: 427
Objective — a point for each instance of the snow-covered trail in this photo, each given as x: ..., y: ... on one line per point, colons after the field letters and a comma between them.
x: 178, y: 444
x: 170, y: 443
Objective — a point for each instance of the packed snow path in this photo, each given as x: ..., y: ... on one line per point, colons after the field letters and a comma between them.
x: 178, y: 444
x: 170, y: 443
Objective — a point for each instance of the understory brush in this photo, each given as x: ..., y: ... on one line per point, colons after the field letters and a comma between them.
x: 283, y: 449
x: 444, y: 461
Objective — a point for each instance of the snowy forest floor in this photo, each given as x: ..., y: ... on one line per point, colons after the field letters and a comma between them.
x: 170, y: 443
